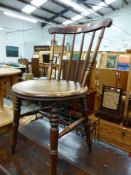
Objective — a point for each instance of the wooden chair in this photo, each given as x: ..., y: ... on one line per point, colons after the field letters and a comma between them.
x: 25, y: 62
x: 61, y: 90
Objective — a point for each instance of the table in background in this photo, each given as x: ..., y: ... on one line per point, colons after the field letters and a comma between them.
x: 7, y: 75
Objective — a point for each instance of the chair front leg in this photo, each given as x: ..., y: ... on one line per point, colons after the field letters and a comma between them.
x: 17, y: 109
x: 86, y: 123
x: 54, y: 133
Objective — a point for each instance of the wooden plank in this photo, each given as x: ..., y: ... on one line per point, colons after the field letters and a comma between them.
x: 51, y: 58
x: 70, y: 58
x: 61, y: 58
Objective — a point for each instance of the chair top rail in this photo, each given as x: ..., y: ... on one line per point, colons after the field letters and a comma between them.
x: 81, y: 28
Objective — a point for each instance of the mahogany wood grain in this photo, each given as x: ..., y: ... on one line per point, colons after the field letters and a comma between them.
x: 49, y: 89
x: 82, y: 29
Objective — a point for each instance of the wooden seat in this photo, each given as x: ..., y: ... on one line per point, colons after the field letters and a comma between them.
x: 53, y: 89
x: 59, y: 90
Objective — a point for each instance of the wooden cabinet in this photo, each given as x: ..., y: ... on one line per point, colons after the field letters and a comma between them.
x: 114, y: 134
x: 110, y: 77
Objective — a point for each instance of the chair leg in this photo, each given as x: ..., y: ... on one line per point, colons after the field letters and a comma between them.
x: 15, y: 124
x: 86, y: 123
x: 54, y: 133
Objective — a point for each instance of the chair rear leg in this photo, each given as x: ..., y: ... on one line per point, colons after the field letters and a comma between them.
x: 15, y: 126
x: 86, y: 122
x: 54, y: 133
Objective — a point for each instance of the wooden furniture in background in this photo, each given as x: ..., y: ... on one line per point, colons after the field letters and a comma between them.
x: 7, y: 75
x: 25, y: 62
x: 127, y: 110
x: 58, y: 91
x: 40, y: 51
x: 35, y: 67
x: 110, y: 77
x: 111, y: 104
x: 114, y: 134
x: 128, y: 92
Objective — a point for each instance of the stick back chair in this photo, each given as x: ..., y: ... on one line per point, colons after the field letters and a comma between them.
x: 61, y: 90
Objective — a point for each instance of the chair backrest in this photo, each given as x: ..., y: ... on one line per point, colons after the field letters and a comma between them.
x: 90, y: 58
x: 25, y: 62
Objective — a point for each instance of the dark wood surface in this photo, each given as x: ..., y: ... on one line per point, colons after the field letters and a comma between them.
x: 74, y: 159
x: 35, y: 67
x: 49, y: 89
x: 73, y: 69
x: 83, y: 28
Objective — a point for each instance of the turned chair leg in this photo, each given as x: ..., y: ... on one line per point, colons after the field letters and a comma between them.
x: 54, y: 133
x: 86, y: 123
x: 15, y: 124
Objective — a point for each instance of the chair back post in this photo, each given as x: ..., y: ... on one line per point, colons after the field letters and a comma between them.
x: 89, y: 60
x: 51, y: 58
x: 92, y: 59
x: 70, y: 58
x: 61, y: 58
x: 87, y: 57
x: 79, y: 58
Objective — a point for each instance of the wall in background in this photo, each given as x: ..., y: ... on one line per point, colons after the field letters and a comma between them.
x: 25, y: 35
x: 119, y: 39
x: 21, y: 34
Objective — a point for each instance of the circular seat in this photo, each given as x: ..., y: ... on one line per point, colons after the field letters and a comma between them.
x: 48, y: 89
